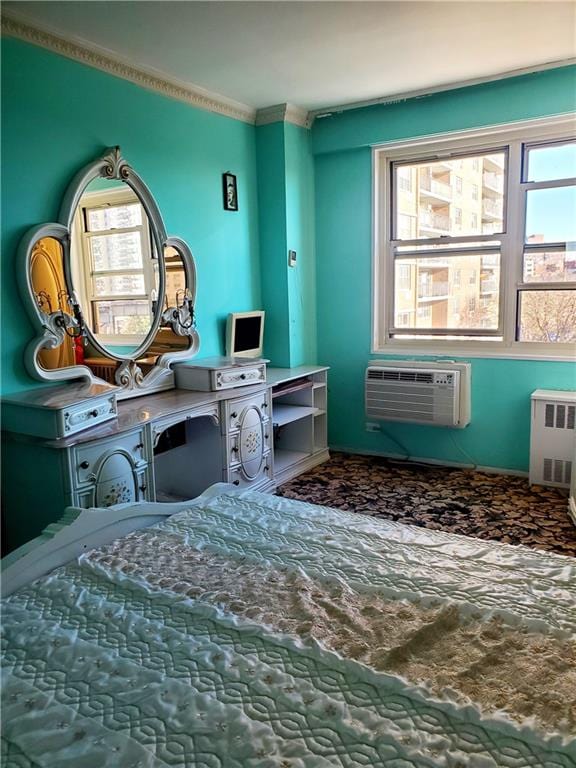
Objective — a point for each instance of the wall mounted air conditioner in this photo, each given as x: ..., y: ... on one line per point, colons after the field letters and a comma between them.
x: 552, y: 435
x: 437, y: 394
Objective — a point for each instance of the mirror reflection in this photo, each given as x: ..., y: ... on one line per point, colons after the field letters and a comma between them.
x: 51, y: 295
x: 113, y: 265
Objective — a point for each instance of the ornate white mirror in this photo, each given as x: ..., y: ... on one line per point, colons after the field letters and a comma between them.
x: 109, y: 294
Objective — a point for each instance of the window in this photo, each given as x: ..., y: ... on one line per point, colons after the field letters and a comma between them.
x: 404, y: 277
x: 405, y: 179
x: 119, y: 275
x: 546, y: 310
x: 497, y: 270
x: 403, y: 318
x: 406, y: 226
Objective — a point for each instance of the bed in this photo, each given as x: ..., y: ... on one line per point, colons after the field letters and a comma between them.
x: 246, y: 630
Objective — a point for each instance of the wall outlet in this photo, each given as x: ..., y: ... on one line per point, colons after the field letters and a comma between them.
x: 372, y: 426
x: 291, y: 258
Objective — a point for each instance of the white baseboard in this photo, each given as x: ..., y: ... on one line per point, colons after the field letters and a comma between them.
x: 433, y: 462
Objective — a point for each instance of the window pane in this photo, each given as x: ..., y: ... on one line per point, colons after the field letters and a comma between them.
x: 113, y: 217
x: 555, y: 161
x: 122, y: 317
x: 121, y: 251
x: 548, y: 316
x: 119, y: 285
x: 549, y: 266
x: 451, y: 197
x: 175, y: 286
x: 551, y: 215
x: 456, y: 292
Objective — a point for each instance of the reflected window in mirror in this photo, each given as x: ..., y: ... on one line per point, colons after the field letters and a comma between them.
x: 175, y: 277
x: 117, y: 271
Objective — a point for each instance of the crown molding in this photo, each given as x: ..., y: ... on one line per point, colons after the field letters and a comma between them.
x: 13, y: 25
x: 283, y: 113
x: 404, y: 96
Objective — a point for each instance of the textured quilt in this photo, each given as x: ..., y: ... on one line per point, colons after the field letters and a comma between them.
x: 252, y: 631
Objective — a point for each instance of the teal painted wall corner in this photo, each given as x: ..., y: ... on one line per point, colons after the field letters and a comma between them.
x: 286, y: 210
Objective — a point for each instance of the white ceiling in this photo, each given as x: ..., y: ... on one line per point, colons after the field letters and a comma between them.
x: 317, y: 54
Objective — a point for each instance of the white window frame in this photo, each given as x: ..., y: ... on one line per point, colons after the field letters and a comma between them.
x: 514, y: 136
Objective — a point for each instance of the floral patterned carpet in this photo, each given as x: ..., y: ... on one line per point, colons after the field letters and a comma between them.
x: 499, y: 507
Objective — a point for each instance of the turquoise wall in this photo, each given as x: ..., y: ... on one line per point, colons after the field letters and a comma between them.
x: 301, y: 238
x: 286, y: 207
x: 273, y: 244
x: 58, y: 115
x: 499, y: 433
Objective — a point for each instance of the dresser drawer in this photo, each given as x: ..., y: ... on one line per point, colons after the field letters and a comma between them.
x: 88, y: 415
x: 238, y: 377
x: 235, y: 411
x: 87, y: 460
x: 237, y: 477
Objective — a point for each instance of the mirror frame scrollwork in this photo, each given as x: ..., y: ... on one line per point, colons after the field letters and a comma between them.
x: 51, y: 328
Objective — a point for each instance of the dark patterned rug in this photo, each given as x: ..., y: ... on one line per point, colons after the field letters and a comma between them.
x: 499, y: 507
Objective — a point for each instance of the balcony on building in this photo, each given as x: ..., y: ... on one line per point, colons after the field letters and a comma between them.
x: 433, y: 290
x: 494, y: 163
x: 491, y: 210
x: 435, y: 188
x: 435, y: 223
x: 493, y: 183
x: 488, y: 285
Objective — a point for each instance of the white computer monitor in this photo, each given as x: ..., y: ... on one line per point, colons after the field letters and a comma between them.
x: 244, y: 334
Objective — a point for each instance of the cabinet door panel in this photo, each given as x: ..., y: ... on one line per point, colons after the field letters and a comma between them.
x: 251, y: 442
x: 116, y: 481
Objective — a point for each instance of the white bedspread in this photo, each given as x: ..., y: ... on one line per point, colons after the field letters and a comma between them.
x: 258, y: 632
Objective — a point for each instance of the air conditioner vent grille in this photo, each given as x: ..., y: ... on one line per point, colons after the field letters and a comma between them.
x: 382, y: 374
x: 560, y: 416
x: 556, y: 471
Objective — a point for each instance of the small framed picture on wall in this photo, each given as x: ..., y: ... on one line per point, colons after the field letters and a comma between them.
x: 230, y: 191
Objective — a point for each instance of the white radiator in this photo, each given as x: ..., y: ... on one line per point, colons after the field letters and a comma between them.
x: 552, y: 435
x: 437, y: 394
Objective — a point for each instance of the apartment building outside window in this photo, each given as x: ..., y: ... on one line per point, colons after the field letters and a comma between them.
x: 496, y: 269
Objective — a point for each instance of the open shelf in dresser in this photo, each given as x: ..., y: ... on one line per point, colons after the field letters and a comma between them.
x: 299, y: 418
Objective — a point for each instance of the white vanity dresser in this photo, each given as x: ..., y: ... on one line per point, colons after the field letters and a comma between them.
x: 163, y: 447
x: 131, y: 414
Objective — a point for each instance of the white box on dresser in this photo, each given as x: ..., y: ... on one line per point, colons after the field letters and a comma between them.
x: 217, y: 373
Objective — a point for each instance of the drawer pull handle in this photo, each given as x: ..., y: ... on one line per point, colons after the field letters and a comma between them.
x: 233, y: 415
x: 143, y: 488
x: 94, y: 413
x: 242, y: 375
x: 84, y: 464
x: 266, y: 468
x: 264, y: 405
x: 266, y: 436
x: 235, y: 449
x: 236, y: 482
x: 139, y: 447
